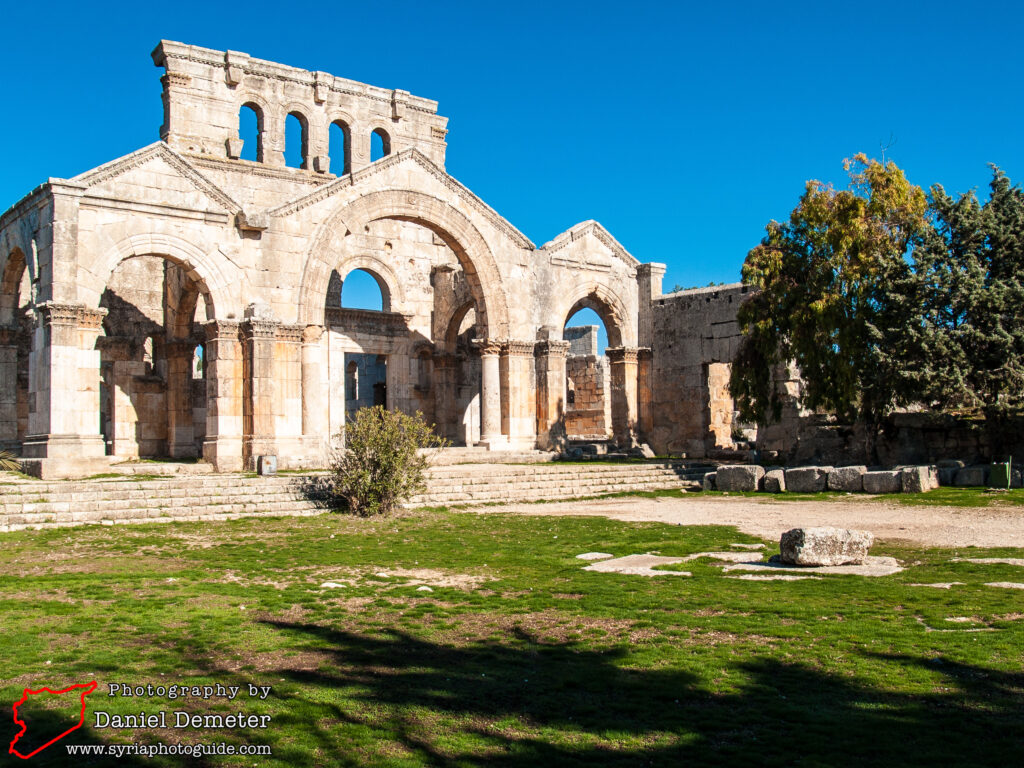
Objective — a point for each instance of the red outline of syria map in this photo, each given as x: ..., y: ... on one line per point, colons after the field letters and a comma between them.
x: 89, y: 688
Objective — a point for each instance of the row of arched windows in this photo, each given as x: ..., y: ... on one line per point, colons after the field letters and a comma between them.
x: 296, y: 140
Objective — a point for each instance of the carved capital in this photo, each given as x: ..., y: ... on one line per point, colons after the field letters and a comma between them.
x: 91, y: 319
x: 644, y: 354
x: 311, y: 334
x: 486, y: 347
x: 71, y: 315
x: 226, y: 330
x: 551, y: 348
x: 258, y: 328
x: 621, y: 355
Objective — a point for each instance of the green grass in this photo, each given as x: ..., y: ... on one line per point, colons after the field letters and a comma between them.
x: 518, y: 657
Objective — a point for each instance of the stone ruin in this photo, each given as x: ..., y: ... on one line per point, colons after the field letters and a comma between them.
x: 184, y: 302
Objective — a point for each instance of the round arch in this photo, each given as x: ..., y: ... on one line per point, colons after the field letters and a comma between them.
x: 473, y: 253
x: 14, y: 267
x: 606, y: 304
x: 212, y: 280
x: 391, y: 293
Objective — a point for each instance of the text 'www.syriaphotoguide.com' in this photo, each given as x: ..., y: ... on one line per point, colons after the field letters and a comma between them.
x: 156, y: 750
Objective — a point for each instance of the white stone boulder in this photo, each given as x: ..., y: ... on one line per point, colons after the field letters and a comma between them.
x: 919, y: 479
x: 775, y: 481
x: 884, y: 481
x: 739, y: 477
x: 849, y: 479
x: 807, y: 479
x: 824, y: 546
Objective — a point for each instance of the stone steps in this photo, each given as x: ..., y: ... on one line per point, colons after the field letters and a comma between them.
x: 214, y: 497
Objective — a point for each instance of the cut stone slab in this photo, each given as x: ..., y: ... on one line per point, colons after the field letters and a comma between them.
x: 638, y: 565
x: 708, y: 483
x: 919, y: 479
x: 332, y: 585
x: 885, y: 481
x: 747, y: 546
x: 939, y: 584
x: 773, y: 577
x: 824, y: 546
x: 734, y: 557
x: 1005, y: 584
x: 739, y: 477
x: 775, y: 481
x: 594, y: 556
x: 849, y: 479
x: 968, y: 476
x: 807, y: 479
x: 872, y: 566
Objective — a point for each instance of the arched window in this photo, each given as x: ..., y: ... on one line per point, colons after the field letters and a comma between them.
x: 250, y: 131
x: 198, y: 362
x: 147, y: 355
x: 361, y: 290
x: 340, y: 148
x: 380, y: 144
x: 296, y: 140
x: 352, y: 381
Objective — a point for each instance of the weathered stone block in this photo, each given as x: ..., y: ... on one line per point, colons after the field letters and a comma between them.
x: 739, y: 477
x: 824, y: 546
x: 885, y: 481
x: 807, y: 479
x: 708, y: 484
x: 967, y: 476
x: 849, y: 479
x: 919, y: 479
x: 775, y: 480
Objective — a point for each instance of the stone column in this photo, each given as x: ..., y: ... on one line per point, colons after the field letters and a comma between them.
x: 519, y: 393
x: 286, y: 408
x: 64, y: 437
x: 445, y: 396
x: 315, y: 422
x: 645, y: 415
x: 8, y: 388
x: 258, y: 403
x: 180, y: 434
x: 490, y: 395
x: 623, y: 363
x: 223, y: 444
x: 550, y: 365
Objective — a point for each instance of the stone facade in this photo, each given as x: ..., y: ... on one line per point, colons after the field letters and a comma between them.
x: 181, y: 301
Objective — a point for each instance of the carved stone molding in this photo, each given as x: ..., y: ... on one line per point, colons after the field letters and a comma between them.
x: 71, y: 315
x: 551, y: 348
x: 488, y: 346
x: 311, y: 334
x: 290, y: 333
x: 226, y: 330
x: 260, y: 328
x: 622, y: 355
x: 515, y: 348
x: 644, y: 354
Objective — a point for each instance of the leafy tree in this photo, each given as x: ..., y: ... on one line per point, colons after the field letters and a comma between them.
x: 970, y: 287
x: 832, y: 283
x: 383, y: 464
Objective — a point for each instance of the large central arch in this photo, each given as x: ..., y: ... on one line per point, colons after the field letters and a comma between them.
x: 458, y: 232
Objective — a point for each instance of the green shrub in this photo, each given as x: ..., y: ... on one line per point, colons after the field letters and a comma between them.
x: 382, y: 465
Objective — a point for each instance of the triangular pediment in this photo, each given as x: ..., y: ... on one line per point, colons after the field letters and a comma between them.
x: 588, y: 246
x: 157, y: 167
x: 409, y: 156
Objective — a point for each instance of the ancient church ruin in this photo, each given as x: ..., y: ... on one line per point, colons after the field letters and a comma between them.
x: 184, y: 302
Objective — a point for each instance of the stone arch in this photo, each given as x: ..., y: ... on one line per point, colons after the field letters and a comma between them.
x: 212, y: 280
x: 606, y: 304
x: 391, y: 292
x: 453, y: 323
x: 14, y: 270
x: 458, y: 232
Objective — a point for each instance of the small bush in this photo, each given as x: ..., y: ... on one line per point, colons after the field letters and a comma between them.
x: 381, y: 465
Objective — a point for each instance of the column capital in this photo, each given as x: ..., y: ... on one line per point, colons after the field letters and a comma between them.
x: 290, y: 333
x: 222, y: 329
x: 621, y: 354
x: 311, y: 334
x: 72, y: 315
x: 488, y: 346
x: 258, y: 328
x: 552, y: 348
x: 644, y: 354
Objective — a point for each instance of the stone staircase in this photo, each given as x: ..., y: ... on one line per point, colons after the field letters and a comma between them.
x: 39, y: 504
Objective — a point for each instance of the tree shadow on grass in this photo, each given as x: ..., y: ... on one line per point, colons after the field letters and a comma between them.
x: 518, y: 701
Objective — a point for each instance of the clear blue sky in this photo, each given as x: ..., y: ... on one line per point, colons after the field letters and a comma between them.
x: 683, y: 128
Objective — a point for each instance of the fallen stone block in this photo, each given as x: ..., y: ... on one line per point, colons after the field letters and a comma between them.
x: 968, y: 476
x: 947, y: 475
x: 739, y: 477
x: 708, y: 483
x: 919, y: 479
x: 849, y: 479
x: 775, y: 481
x: 824, y: 546
x: 885, y: 481
x: 807, y: 479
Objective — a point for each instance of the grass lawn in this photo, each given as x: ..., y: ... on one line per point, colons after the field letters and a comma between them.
x: 518, y: 656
